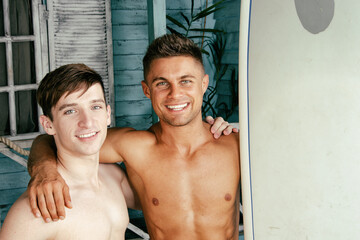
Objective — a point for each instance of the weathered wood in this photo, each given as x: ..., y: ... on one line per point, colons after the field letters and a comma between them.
x: 19, y: 159
x: 9, y: 166
x: 229, y: 25
x: 77, y: 26
x: 126, y: 108
x: 128, y: 77
x: 225, y: 88
x: 9, y: 196
x: 135, y: 16
x: 129, y: 93
x: 231, y: 9
x: 125, y: 47
x: 128, y: 62
x: 139, y: 122
x: 128, y: 4
x: 14, y: 180
x: 130, y: 32
x: 183, y: 4
x: 231, y: 57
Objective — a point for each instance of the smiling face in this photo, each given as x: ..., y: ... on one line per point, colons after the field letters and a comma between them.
x: 80, y: 122
x: 176, y: 86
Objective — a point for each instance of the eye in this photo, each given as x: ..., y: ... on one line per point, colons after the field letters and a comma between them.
x: 68, y: 112
x: 97, y: 107
x: 185, y: 81
x: 159, y: 84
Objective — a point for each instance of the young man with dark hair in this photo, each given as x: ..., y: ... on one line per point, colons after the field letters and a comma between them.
x: 187, y: 181
x: 76, y: 114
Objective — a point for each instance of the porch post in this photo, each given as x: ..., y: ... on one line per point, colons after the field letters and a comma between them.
x: 156, y: 26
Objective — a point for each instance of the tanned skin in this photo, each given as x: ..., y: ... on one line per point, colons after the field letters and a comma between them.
x: 187, y: 181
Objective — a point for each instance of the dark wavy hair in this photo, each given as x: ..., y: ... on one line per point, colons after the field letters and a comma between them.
x: 65, y: 80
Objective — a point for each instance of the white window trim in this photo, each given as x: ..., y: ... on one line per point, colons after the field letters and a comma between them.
x: 37, y: 7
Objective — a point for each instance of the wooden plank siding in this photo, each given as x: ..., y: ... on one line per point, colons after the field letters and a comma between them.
x: 228, y: 19
x: 13, y: 182
x: 130, y: 41
x: 132, y: 108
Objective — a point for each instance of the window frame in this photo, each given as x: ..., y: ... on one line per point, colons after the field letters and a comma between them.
x: 40, y: 54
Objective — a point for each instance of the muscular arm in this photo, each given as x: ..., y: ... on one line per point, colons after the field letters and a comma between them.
x: 46, y: 183
x: 48, y: 192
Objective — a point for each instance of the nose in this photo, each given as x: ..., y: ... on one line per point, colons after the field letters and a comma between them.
x: 85, y: 120
x: 175, y: 91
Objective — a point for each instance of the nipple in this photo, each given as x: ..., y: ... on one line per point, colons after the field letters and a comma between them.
x: 155, y: 201
x: 228, y: 197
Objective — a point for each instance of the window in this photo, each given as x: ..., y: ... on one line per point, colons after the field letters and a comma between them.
x: 34, y: 40
x: 20, y: 68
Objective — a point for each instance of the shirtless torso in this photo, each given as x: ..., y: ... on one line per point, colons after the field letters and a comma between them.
x: 99, y: 212
x: 184, y: 194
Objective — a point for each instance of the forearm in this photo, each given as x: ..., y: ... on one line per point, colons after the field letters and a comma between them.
x: 42, y: 153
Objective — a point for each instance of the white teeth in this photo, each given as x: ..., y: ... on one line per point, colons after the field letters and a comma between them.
x: 87, y: 135
x: 177, y: 107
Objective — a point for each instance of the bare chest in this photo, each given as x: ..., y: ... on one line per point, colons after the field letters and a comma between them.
x: 95, y: 215
x: 201, y: 180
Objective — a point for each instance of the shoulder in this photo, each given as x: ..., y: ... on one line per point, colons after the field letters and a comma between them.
x: 130, y: 135
x: 20, y: 223
x: 226, y: 144
x: 232, y: 139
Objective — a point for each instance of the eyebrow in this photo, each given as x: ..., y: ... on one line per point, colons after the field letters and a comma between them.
x: 164, y: 79
x: 187, y: 76
x: 75, y: 104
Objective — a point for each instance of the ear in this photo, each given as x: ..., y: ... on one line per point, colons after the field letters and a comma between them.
x: 146, y: 89
x: 108, y: 110
x: 205, y: 83
x: 47, y: 125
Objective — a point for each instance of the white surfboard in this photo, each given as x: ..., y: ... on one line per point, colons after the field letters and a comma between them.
x: 299, y: 100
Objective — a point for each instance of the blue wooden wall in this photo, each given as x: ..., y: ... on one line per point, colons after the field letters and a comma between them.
x: 132, y: 108
x: 130, y: 40
x: 13, y: 182
x: 228, y: 19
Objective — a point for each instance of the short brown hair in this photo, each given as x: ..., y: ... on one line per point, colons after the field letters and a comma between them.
x: 65, y: 80
x: 170, y: 45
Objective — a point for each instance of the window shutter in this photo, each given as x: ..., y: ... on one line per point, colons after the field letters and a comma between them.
x: 80, y: 32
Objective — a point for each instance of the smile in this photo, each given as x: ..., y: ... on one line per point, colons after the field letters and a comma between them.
x: 87, y: 135
x: 177, y: 107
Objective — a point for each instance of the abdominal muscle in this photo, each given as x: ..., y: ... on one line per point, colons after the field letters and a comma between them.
x: 202, y: 222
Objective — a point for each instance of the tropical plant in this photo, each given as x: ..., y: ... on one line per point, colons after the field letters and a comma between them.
x: 187, y: 29
x: 215, y: 42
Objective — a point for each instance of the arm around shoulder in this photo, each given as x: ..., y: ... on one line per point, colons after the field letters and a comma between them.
x: 116, y: 142
x: 42, y: 153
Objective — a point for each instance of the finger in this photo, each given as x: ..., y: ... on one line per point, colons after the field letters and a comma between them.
x: 228, y: 130
x: 43, y: 209
x: 59, y: 203
x: 209, y: 119
x: 217, y: 124
x: 222, y: 128
x: 50, y: 202
x: 236, y: 130
x: 33, y: 204
x: 67, y: 197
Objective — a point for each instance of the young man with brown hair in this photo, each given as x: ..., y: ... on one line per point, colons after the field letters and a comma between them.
x: 187, y: 181
x: 75, y: 112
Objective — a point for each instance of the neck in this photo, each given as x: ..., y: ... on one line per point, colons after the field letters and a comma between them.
x: 189, y: 136
x: 79, y: 170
